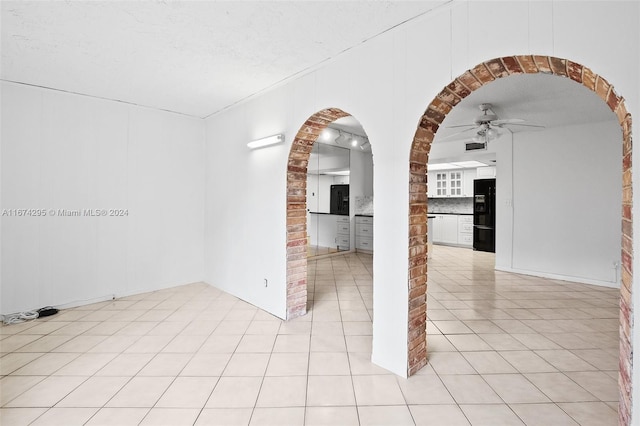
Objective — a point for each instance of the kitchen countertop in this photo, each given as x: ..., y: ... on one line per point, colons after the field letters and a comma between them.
x: 364, y: 215
x: 460, y: 214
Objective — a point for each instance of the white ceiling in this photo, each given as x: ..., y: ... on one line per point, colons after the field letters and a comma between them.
x: 195, y: 58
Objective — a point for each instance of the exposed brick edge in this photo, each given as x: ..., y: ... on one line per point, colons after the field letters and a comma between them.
x: 430, y: 121
x: 297, y: 208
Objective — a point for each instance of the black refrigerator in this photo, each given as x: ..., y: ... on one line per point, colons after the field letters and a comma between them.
x: 484, y: 215
x: 339, y: 202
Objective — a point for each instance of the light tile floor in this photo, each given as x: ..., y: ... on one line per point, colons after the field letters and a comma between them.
x: 504, y: 349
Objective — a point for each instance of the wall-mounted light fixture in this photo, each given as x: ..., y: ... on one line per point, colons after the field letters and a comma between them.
x: 269, y: 140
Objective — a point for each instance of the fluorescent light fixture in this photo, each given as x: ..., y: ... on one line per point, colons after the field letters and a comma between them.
x: 269, y: 140
x: 456, y: 165
x: 336, y: 172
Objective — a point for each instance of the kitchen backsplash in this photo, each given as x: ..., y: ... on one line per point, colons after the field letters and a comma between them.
x: 364, y: 205
x: 451, y: 205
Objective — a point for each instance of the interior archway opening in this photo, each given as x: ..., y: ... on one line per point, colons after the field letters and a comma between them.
x: 433, y: 123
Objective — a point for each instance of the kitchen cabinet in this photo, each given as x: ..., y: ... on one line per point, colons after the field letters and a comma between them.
x: 343, y: 233
x: 451, y: 183
x: 445, y: 229
x: 364, y: 234
x: 452, y: 229
x: 465, y: 230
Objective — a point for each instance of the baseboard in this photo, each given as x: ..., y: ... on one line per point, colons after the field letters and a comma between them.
x: 560, y: 277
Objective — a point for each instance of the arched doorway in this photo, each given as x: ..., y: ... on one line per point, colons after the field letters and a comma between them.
x: 296, y: 207
x: 435, y: 114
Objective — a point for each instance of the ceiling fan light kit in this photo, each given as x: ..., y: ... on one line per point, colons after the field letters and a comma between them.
x: 487, y: 126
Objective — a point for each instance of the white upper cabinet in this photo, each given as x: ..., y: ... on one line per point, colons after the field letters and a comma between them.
x: 451, y: 183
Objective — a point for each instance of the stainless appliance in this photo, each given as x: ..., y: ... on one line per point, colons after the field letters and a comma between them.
x: 484, y: 215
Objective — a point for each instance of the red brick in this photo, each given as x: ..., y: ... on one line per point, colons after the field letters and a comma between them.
x: 574, y: 71
x: 528, y: 64
x: 512, y: 65
x: 470, y: 81
x: 482, y: 74
x: 559, y: 66
x: 542, y: 63
x: 497, y: 68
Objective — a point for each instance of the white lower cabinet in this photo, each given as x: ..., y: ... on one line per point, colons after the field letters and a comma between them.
x: 364, y: 233
x: 445, y: 229
x: 453, y: 229
x: 343, y: 233
x: 465, y: 230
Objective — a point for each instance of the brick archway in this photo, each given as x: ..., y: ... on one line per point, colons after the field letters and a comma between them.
x: 441, y: 105
x: 297, y: 208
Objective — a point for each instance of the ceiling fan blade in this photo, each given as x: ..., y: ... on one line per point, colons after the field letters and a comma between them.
x: 540, y: 126
x: 506, y: 121
x: 462, y: 125
x: 457, y: 134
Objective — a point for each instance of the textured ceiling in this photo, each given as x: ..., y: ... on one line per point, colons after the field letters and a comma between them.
x: 194, y: 58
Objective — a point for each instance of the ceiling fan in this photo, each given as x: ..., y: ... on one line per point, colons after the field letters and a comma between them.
x: 486, y: 127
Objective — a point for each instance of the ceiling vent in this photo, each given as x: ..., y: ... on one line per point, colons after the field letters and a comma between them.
x: 474, y: 146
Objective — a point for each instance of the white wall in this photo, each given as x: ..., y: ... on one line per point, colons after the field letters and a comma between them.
x: 64, y: 151
x: 386, y: 84
x: 567, y: 191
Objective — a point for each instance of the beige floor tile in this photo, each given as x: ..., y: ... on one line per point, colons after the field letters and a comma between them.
x: 118, y: 417
x: 140, y: 392
x: 185, y: 344
x: 331, y: 416
x: 502, y: 342
x: 115, y: 344
x: 332, y: 328
x: 377, y: 390
x: 187, y: 392
x: 206, y: 365
x: 255, y: 343
x: 527, y: 362
x: 488, y: 362
x: 94, y: 392
x: 45, y: 343
x: 16, y: 341
x: 245, y: 364
x: 81, y: 344
x: 224, y: 417
x: 542, y: 415
x: 515, y: 388
x: 231, y: 327
x: 283, y: 392
x: 125, y: 365
x: 357, y: 328
x: 278, y: 416
x: 491, y: 415
x: 328, y: 343
x: 20, y: 416
x: 439, y: 343
x: 424, y: 389
x: 165, y: 364
x: 263, y: 327
x: 65, y: 416
x: 221, y: 343
x: 452, y: 327
x: 235, y: 392
x: 599, y: 358
x: 469, y: 389
x: 468, y: 342
x: 47, y: 393
x: 330, y: 391
x: 149, y: 344
x: 288, y: 364
x: 361, y: 364
x: 591, y: 413
x: 14, y: 361
x: 565, y: 360
x: 385, y: 415
x: 292, y: 343
x: 86, y: 364
x: 450, y: 363
x: 46, y: 364
x: 438, y: 415
x: 599, y: 384
x: 12, y: 386
x: 359, y: 343
x: 560, y: 388
x: 328, y: 363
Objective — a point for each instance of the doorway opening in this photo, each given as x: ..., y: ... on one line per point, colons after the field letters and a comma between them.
x: 329, y: 189
x: 430, y: 122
